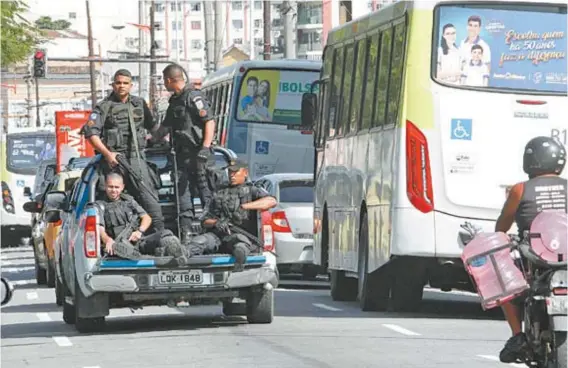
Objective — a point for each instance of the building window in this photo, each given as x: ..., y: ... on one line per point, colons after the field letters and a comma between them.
x: 177, y: 44
x: 258, y: 41
x: 195, y: 6
x: 196, y: 44
x: 159, y: 7
x: 237, y: 24
x: 173, y: 7
x: 238, y: 41
x: 159, y: 44
x: 177, y: 26
x: 237, y: 5
x: 258, y: 23
x: 73, y: 15
x: 195, y: 24
x: 131, y: 42
x: 258, y: 5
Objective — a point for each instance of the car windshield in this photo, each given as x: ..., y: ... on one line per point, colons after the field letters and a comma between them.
x: 296, y: 191
x: 500, y: 46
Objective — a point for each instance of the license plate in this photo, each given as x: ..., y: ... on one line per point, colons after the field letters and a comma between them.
x: 557, y: 305
x: 193, y: 277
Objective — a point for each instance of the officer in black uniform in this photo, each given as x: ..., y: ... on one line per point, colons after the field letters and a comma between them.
x: 118, y: 125
x: 236, y: 205
x: 120, y: 211
x: 543, y: 161
x: 189, y: 117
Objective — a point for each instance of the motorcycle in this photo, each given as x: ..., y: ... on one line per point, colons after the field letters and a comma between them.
x: 7, y: 291
x: 531, y: 269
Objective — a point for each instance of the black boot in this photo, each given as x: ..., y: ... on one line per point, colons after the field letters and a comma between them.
x: 240, y: 252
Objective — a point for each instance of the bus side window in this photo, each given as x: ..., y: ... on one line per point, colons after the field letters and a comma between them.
x: 357, y: 95
x: 395, y: 84
x: 335, y: 96
x: 343, y: 126
x: 322, y: 120
x: 383, y: 78
x: 228, y: 111
x: 373, y: 44
x: 221, y: 115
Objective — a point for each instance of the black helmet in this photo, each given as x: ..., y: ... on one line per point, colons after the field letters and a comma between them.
x: 544, y: 155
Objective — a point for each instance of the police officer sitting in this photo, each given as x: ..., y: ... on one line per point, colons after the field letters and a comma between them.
x: 118, y: 125
x: 189, y: 116
x: 120, y: 211
x: 236, y: 205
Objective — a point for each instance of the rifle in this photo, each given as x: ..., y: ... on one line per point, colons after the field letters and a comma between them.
x: 122, y: 161
x: 123, y: 247
x: 256, y: 241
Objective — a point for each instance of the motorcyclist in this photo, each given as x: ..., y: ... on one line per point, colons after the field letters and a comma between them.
x: 543, y: 161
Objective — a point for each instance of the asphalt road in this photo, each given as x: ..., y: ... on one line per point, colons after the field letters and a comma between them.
x: 309, y: 330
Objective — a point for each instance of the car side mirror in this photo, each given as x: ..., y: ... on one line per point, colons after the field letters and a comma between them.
x: 309, y: 109
x: 55, y: 200
x: 32, y: 207
x: 52, y: 216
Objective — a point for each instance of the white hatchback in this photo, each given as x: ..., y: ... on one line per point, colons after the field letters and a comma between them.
x: 292, y: 221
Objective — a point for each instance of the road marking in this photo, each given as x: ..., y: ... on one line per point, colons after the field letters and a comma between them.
x: 326, y: 307
x: 94, y: 366
x: 62, y: 341
x: 496, y: 359
x: 43, y: 317
x: 295, y: 290
x: 6, y: 263
x: 401, y: 330
x: 32, y: 295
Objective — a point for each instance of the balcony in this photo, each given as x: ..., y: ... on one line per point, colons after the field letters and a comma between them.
x: 310, y: 15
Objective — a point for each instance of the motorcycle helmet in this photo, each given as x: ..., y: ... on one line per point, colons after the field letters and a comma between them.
x: 544, y: 155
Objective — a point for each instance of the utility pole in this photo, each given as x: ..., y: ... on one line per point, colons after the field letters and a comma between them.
x: 152, y: 96
x: 266, y: 33
x: 142, y: 71
x: 218, y: 34
x: 209, y: 35
x: 28, y: 79
x: 176, y: 33
x: 38, y: 121
x: 91, y: 63
x: 288, y: 12
x: 251, y: 31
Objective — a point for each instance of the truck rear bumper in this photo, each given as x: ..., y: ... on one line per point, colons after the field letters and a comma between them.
x: 139, y: 282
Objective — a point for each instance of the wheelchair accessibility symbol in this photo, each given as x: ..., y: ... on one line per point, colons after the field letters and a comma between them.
x: 461, y: 129
x: 261, y: 147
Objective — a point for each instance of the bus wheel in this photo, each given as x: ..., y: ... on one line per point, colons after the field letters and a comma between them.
x: 373, y: 289
x: 408, y: 284
x: 343, y: 288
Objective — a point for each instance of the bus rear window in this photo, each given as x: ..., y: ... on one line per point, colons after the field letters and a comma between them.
x: 25, y: 153
x: 506, y: 47
x: 273, y: 96
x: 296, y: 191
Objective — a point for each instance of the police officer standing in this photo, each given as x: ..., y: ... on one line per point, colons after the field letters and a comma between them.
x: 118, y: 125
x: 236, y: 205
x: 189, y: 117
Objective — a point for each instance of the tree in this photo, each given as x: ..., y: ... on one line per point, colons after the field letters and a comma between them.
x: 45, y: 22
x: 19, y: 37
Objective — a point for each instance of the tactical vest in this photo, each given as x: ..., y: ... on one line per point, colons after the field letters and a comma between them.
x: 540, y: 194
x: 117, y: 135
x: 230, y: 200
x: 188, y: 137
x: 117, y: 214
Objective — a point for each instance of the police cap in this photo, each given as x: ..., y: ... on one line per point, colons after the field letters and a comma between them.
x: 236, y: 165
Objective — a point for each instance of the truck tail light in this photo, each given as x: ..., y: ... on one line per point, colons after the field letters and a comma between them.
x: 266, y: 231
x: 91, y: 240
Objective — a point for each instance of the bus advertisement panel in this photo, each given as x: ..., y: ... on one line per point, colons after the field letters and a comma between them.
x: 70, y: 142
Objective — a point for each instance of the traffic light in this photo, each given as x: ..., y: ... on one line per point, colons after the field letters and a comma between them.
x: 40, y: 63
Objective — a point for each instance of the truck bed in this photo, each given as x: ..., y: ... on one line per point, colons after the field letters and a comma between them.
x: 204, y: 261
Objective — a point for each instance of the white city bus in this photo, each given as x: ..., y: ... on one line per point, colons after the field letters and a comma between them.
x: 256, y: 105
x: 415, y: 136
x: 22, y: 151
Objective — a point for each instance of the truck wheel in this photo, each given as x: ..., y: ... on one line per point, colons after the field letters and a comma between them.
x: 86, y: 325
x: 373, y: 288
x: 343, y: 289
x: 50, y: 274
x: 234, y: 309
x: 408, y: 284
x: 68, y: 309
x: 59, y: 297
x: 260, y: 306
x: 40, y: 273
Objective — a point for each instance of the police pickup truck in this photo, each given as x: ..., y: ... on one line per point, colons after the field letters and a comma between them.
x: 92, y: 284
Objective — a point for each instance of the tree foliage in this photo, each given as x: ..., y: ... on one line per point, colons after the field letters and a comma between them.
x: 48, y: 23
x: 19, y: 36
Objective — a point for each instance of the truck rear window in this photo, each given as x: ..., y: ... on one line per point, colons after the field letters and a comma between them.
x: 296, y: 191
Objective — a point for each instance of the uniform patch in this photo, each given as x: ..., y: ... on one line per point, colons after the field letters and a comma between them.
x: 202, y: 113
x: 198, y: 103
x: 93, y: 116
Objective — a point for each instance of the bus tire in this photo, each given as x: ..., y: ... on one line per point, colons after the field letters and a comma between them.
x: 373, y: 290
x: 408, y: 284
x: 343, y: 289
